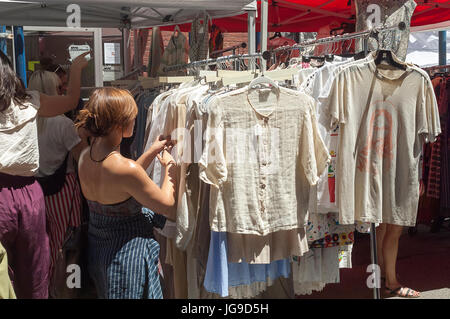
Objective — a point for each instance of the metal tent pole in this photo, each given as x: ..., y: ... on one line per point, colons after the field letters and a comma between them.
x: 251, y: 37
x: 373, y: 234
x: 3, y: 45
x: 264, y: 29
x: 19, y: 50
x: 442, y: 47
x: 126, y: 51
x: 98, y: 57
x: 13, y: 46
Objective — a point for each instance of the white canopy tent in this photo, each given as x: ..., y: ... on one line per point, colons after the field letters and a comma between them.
x: 122, y: 14
x: 423, y: 48
x: 118, y: 13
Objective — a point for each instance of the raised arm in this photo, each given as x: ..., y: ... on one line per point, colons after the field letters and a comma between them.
x: 145, y: 191
x: 60, y: 104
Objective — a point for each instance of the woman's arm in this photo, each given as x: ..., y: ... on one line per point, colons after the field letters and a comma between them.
x: 77, y: 149
x: 60, y: 104
x: 160, y: 200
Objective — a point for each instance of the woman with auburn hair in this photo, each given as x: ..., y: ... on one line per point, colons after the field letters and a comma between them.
x: 22, y: 206
x: 123, y: 255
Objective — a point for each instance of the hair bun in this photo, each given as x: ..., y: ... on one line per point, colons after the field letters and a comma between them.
x: 88, y: 121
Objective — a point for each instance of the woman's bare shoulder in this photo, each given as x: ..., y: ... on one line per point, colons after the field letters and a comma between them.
x: 122, y: 167
x: 114, y: 169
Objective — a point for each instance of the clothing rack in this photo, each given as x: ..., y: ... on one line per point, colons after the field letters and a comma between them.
x: 338, y: 38
x: 438, y: 67
x: 365, y: 35
x: 374, y: 33
x: 233, y: 48
x: 197, y: 64
x: 136, y: 71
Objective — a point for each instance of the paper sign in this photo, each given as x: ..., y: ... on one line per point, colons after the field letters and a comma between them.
x: 76, y: 50
x: 32, y: 65
x: 112, y: 53
x: 112, y: 72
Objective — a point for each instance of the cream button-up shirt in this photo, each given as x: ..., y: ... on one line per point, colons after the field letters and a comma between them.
x: 262, y: 154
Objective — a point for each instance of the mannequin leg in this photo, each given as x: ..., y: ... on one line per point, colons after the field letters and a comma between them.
x: 390, y: 252
x: 381, y: 231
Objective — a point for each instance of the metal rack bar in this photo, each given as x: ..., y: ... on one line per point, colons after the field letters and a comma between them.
x: 337, y: 38
x: 233, y: 48
x: 196, y: 64
x: 438, y: 67
x: 266, y: 55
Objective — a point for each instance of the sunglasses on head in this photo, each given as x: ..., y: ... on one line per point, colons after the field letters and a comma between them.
x: 57, y: 69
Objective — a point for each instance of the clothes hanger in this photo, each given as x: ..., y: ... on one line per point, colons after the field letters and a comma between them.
x: 348, y: 48
x: 329, y: 57
x: 306, y: 59
x: 388, y: 56
x: 344, y: 28
x: 359, y: 55
x: 276, y: 35
x: 262, y: 79
x: 440, y: 74
x: 177, y: 30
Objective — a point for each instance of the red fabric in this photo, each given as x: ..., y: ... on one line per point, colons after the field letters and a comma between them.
x: 332, y: 188
x: 434, y: 173
x: 293, y: 16
x: 279, y: 41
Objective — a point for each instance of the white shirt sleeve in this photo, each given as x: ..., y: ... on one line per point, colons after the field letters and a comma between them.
x: 35, y: 99
x: 212, y: 164
x: 66, y: 133
x: 314, y: 155
x: 428, y: 125
x: 331, y: 112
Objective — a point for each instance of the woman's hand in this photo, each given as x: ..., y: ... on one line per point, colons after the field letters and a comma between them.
x: 60, y: 104
x: 166, y: 159
x: 160, y: 144
x: 157, y: 147
x: 80, y: 62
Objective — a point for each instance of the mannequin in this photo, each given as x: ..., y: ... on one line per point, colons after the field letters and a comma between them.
x: 386, y: 13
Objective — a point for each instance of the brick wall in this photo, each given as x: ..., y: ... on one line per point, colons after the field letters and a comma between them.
x: 230, y: 39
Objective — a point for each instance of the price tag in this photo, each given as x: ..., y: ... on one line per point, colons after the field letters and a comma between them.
x: 296, y: 79
x: 258, y: 130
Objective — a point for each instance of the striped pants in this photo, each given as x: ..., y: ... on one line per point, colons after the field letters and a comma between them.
x: 63, y: 210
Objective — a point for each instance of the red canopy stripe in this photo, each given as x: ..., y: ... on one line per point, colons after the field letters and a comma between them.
x: 310, y: 16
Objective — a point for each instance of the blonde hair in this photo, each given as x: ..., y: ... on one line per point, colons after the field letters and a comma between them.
x: 47, y: 83
x: 108, y: 108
